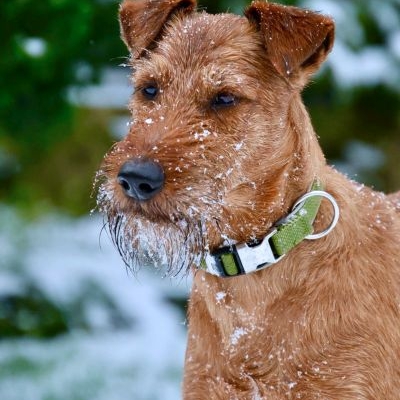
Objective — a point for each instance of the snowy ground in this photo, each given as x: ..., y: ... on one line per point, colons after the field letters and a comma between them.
x: 139, y: 358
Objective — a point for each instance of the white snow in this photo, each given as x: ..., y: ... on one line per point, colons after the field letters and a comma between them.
x: 369, y: 65
x: 219, y: 296
x: 34, y: 46
x: 239, y: 145
x: 237, y: 334
x: 358, y: 158
x: 291, y: 385
x: 142, y: 360
x: 113, y: 92
x: 394, y: 43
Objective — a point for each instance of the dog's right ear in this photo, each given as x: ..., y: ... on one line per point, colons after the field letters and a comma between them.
x: 142, y: 21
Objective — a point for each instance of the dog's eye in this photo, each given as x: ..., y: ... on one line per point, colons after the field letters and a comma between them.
x: 224, y: 100
x: 150, y: 92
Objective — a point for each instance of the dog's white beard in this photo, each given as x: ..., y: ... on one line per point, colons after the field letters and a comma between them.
x: 170, y: 247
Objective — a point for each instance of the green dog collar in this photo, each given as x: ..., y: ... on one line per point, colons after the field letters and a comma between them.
x: 241, y: 259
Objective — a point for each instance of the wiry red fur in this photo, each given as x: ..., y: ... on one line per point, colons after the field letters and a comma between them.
x: 324, y: 322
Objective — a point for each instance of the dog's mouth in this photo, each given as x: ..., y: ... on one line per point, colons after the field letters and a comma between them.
x: 169, y: 247
x: 146, y: 234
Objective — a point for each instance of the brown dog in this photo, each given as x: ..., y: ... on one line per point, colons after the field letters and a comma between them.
x: 219, y: 150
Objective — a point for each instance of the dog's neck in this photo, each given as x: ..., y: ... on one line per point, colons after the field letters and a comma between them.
x: 300, y: 267
x: 248, y: 296
x: 242, y: 258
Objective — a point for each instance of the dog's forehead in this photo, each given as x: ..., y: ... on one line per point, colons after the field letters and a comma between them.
x: 201, y: 39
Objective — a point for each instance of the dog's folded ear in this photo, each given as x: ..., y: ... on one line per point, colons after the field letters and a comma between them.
x: 142, y: 21
x: 297, y: 41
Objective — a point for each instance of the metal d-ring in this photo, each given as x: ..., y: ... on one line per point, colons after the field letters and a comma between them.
x: 336, y: 211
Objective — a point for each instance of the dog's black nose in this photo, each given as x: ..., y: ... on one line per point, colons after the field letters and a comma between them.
x: 141, y: 179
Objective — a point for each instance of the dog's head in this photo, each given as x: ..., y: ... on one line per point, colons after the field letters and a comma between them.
x: 219, y: 145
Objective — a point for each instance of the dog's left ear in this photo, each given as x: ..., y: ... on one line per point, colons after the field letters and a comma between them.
x: 142, y: 21
x: 297, y: 41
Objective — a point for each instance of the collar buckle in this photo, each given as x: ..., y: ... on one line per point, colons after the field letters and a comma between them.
x: 241, y: 259
x: 259, y: 256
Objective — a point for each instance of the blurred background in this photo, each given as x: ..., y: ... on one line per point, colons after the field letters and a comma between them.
x: 74, y: 325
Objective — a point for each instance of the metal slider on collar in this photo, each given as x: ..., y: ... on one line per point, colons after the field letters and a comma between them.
x: 242, y: 259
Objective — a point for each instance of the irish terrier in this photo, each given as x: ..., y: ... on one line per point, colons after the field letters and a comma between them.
x: 222, y: 172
